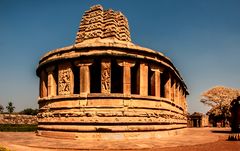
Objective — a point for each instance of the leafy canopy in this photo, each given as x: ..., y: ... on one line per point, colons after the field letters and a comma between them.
x: 10, y: 107
x: 219, y: 98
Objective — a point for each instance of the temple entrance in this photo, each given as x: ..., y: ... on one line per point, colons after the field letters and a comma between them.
x: 116, y: 77
x: 135, y: 79
x: 95, y: 76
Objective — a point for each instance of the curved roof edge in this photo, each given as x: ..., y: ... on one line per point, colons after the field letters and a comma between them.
x: 92, y: 43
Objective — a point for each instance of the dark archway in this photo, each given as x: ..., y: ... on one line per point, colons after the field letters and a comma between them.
x: 116, y: 77
x: 135, y: 78
x: 95, y: 76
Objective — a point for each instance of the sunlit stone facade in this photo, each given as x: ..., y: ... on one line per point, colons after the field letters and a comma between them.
x: 106, y: 87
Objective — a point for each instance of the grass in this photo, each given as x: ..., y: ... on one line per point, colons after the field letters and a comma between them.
x: 17, y: 128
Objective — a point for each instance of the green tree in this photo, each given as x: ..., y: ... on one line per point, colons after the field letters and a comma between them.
x: 1, y: 108
x: 10, y: 107
x: 29, y: 111
x: 219, y: 99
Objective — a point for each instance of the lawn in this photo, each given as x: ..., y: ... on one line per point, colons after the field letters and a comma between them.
x: 17, y: 128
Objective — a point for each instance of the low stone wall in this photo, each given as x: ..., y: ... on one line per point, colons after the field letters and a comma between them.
x: 17, y: 119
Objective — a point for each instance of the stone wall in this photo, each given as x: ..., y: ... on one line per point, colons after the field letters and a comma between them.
x: 198, y: 120
x: 17, y: 119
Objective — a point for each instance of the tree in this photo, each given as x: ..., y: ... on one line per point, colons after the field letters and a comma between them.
x: 29, y: 111
x: 1, y: 108
x: 10, y: 107
x: 219, y: 98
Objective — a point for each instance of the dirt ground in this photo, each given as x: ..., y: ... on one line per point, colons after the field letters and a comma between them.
x: 194, y: 139
x: 220, y: 145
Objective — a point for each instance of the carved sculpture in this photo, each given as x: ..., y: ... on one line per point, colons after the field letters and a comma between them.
x: 64, y: 79
x: 106, y: 77
x: 99, y: 23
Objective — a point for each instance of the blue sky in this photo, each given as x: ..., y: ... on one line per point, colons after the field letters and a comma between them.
x: 202, y: 38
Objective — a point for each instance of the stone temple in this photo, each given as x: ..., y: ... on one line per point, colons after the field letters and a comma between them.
x: 105, y: 87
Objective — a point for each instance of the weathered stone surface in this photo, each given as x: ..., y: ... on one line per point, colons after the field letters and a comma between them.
x: 43, y: 84
x: 52, y: 86
x: 99, y: 23
x: 143, y: 79
x: 17, y: 119
x: 126, y: 64
x: 65, y: 79
x: 105, y: 83
x: 106, y: 76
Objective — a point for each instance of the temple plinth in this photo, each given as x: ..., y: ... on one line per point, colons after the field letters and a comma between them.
x: 105, y: 87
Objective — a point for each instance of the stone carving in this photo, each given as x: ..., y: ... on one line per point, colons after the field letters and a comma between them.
x: 99, y: 23
x: 91, y: 24
x: 64, y: 82
x: 64, y: 79
x: 106, y: 77
x: 76, y: 99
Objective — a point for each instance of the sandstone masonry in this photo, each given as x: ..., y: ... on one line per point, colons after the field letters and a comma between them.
x: 17, y: 119
x: 106, y: 87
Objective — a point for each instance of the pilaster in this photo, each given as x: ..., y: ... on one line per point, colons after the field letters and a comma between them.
x: 156, y: 80
x: 84, y: 76
x: 173, y: 92
x: 143, y: 79
x: 167, y: 87
x: 126, y: 64
x: 43, y: 84
x: 178, y: 93
x: 52, y: 86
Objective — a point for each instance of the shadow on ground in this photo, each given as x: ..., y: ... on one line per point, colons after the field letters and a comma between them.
x: 222, y: 131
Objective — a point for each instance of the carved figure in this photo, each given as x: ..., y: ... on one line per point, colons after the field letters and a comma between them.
x: 64, y: 81
x: 105, y: 77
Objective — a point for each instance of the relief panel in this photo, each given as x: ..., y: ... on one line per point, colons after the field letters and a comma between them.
x: 65, y: 79
x: 106, y: 76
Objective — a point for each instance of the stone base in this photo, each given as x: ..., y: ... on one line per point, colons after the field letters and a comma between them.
x: 109, y: 135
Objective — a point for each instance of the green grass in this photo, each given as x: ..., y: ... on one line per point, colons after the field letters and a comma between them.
x: 17, y: 128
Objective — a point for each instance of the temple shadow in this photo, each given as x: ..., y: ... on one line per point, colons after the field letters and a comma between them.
x: 222, y: 131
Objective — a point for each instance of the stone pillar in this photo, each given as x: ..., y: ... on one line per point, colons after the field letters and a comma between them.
x: 126, y: 64
x: 185, y: 101
x: 156, y: 81
x: 180, y: 97
x: 186, y: 106
x: 43, y: 84
x: 177, y: 94
x: 106, y: 76
x: 143, y: 79
x: 84, y: 75
x: 167, y: 88
x: 65, y: 79
x: 173, y: 90
x: 52, y: 86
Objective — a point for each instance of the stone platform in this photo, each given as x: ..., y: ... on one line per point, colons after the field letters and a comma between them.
x: 29, y: 141
x: 118, y: 136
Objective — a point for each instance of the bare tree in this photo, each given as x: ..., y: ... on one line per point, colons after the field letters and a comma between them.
x: 219, y: 98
